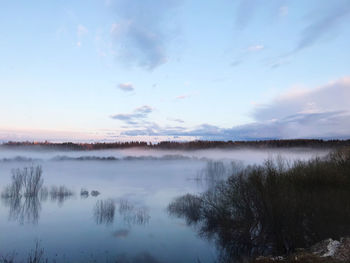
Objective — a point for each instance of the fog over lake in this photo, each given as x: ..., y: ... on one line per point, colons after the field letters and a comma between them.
x: 248, y: 156
x: 112, y: 204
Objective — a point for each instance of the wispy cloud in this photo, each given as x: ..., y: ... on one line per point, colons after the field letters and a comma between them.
x: 134, y: 117
x: 245, y: 12
x: 126, y: 86
x: 331, y: 97
x: 313, y: 125
x: 324, y: 24
x: 255, y: 48
x: 246, y: 53
x: 176, y: 120
x: 81, y: 32
x: 181, y: 97
x: 236, y: 63
x: 140, y: 32
x: 320, y: 112
x: 303, y: 125
x: 323, y: 112
x: 283, y: 11
x: 284, y: 60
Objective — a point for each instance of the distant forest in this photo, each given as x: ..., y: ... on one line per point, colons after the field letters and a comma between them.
x: 191, y: 145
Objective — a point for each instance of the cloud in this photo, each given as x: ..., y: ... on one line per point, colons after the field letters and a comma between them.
x: 316, y: 125
x: 283, y: 11
x: 188, y: 95
x: 181, y: 97
x: 245, y: 12
x: 203, y: 131
x: 136, y: 116
x: 176, y: 120
x: 245, y: 53
x: 126, y: 86
x: 323, y: 112
x: 279, y: 62
x: 322, y: 22
x: 236, y: 63
x: 307, y: 125
x: 255, y: 48
x: 331, y: 97
x: 320, y: 27
x: 81, y: 31
x: 141, y: 33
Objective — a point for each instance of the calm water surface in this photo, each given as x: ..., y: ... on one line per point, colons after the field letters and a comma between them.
x: 77, y: 229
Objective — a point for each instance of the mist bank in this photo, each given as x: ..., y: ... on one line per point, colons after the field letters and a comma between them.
x: 246, y: 155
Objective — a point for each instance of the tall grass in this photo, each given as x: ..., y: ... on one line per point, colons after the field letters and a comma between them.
x: 60, y: 193
x: 25, y: 182
x: 133, y: 215
x: 26, y: 191
x: 275, y: 207
x: 104, y: 211
x: 216, y: 171
x: 36, y: 255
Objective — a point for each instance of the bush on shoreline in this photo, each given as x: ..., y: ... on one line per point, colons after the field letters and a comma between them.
x: 273, y: 208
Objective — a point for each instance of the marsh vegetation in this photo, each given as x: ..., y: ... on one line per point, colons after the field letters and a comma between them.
x: 25, y: 182
x: 22, y: 195
x: 130, y: 214
x: 247, y: 206
x: 273, y: 208
x: 26, y: 192
x: 133, y: 215
x: 104, y: 212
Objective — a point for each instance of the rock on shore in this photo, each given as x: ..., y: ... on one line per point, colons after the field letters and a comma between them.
x: 328, y: 250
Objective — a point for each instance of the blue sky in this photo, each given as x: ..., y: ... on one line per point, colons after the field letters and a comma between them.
x: 98, y: 70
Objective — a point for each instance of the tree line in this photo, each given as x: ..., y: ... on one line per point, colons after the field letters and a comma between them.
x: 190, y: 145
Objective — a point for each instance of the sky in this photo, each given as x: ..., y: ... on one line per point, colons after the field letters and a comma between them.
x: 151, y: 70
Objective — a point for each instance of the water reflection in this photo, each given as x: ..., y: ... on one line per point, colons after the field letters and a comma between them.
x: 121, y: 233
x: 104, y: 212
x: 38, y: 255
x: 60, y: 194
x: 215, y: 172
x: 272, y: 208
x: 95, y: 193
x: 23, y: 209
x: 84, y: 193
x: 143, y: 257
x: 26, y: 192
x: 25, y: 182
x: 133, y: 215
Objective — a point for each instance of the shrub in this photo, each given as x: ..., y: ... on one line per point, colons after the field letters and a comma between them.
x: 104, y: 211
x: 25, y: 182
x: 274, y: 208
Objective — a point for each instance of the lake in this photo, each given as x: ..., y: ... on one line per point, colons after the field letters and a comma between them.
x: 126, y: 219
